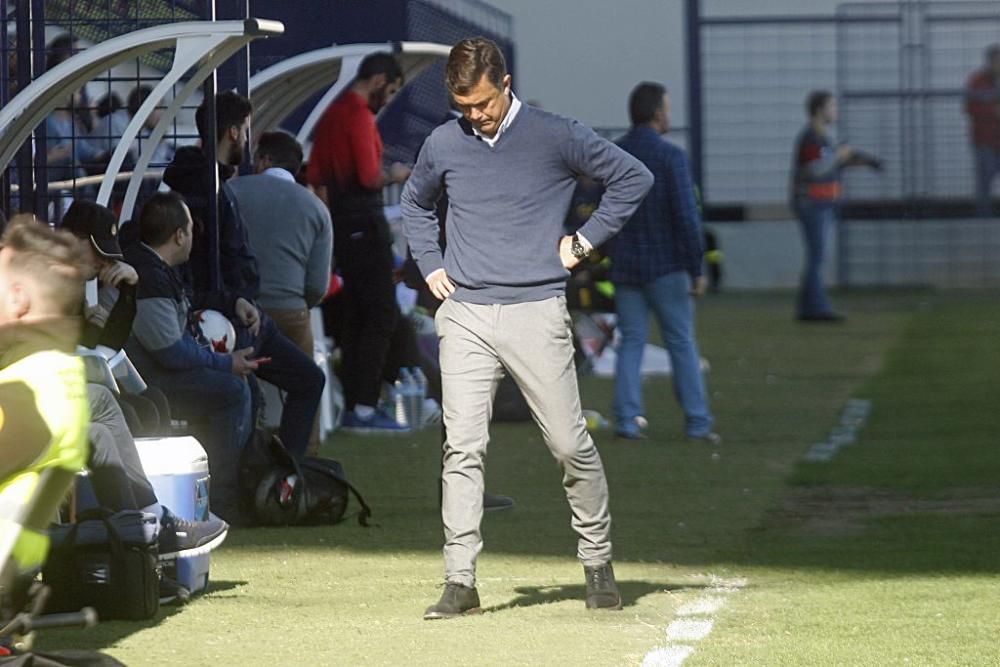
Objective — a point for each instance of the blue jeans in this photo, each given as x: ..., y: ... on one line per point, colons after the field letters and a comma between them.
x: 817, y: 222
x: 218, y: 405
x: 292, y: 371
x: 670, y: 300
x: 987, y: 168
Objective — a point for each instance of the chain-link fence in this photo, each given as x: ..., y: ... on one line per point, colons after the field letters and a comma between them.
x: 899, y: 70
x: 71, y: 149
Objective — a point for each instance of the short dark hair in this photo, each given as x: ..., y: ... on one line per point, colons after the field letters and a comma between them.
x: 108, y: 104
x: 380, y: 63
x: 231, y: 109
x: 817, y: 100
x: 646, y: 99
x: 61, y: 48
x: 470, y: 60
x: 161, y: 216
x: 284, y: 150
x: 136, y: 97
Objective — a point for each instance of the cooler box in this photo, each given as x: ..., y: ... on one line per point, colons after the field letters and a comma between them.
x: 177, y: 468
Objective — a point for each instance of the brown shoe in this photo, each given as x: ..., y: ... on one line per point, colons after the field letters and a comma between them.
x: 457, y: 600
x: 602, y: 590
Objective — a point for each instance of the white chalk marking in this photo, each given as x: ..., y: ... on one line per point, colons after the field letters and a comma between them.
x: 670, y: 656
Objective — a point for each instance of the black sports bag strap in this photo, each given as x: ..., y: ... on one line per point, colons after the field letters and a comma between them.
x: 323, y: 466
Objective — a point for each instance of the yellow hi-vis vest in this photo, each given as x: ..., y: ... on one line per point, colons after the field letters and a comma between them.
x: 58, y: 383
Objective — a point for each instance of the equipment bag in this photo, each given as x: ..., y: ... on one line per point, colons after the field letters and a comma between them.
x: 281, y: 489
x: 106, y: 561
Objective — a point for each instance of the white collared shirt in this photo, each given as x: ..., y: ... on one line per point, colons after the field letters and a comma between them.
x: 279, y: 172
x: 515, y: 106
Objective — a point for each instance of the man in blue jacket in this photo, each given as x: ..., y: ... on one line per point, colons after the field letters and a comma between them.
x: 656, y: 264
x: 509, y: 171
x: 203, y: 385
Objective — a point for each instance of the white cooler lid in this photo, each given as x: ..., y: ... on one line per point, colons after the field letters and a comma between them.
x: 175, y: 455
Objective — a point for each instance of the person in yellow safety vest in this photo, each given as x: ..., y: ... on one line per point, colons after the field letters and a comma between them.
x: 43, y: 399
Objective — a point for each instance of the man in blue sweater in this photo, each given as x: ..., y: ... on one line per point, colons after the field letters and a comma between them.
x: 656, y: 264
x: 202, y: 385
x: 509, y: 171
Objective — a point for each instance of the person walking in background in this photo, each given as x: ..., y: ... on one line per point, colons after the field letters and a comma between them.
x: 982, y: 104
x: 509, y: 171
x: 656, y: 264
x: 815, y: 192
x: 345, y: 169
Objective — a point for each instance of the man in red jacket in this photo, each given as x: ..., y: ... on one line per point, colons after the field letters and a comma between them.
x: 982, y: 103
x: 345, y: 169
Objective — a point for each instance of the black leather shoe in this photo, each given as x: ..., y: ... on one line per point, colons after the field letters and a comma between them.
x: 494, y: 502
x: 457, y: 600
x: 602, y: 591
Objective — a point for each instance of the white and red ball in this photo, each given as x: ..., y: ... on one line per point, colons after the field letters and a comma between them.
x: 215, y: 330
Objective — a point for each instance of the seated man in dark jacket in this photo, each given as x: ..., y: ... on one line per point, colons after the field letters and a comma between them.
x: 228, y: 281
x: 109, y: 321
x: 203, y: 386
x: 119, y: 481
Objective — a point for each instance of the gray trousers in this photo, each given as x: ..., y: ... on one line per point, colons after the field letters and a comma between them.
x: 533, y: 342
x: 119, y: 481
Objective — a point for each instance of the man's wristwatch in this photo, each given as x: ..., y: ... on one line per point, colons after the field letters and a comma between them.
x: 577, y: 248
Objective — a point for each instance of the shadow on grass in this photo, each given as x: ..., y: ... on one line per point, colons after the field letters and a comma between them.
x: 108, y: 633
x: 632, y: 591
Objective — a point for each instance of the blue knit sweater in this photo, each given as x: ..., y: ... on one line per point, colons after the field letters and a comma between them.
x: 507, y: 204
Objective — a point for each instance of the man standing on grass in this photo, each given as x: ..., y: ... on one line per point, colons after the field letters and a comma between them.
x: 345, y: 168
x: 982, y: 104
x: 817, y: 164
x: 509, y: 171
x: 656, y: 264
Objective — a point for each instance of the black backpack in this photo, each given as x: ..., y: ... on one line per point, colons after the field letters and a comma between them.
x: 280, y: 489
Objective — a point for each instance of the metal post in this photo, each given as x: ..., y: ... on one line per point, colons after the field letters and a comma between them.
x: 25, y: 175
x: 4, y: 98
x: 209, y: 146
x: 694, y: 94
x: 41, y: 198
x: 843, y: 232
x: 236, y: 71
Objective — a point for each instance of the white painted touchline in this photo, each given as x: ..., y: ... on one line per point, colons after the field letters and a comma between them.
x: 696, y: 623
x: 852, y: 420
x: 671, y: 656
x: 692, y: 630
x: 701, y: 607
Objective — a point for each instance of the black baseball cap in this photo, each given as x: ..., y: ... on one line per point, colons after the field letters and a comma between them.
x: 89, y: 219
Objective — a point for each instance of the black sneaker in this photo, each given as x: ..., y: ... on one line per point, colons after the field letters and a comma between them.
x: 180, y: 538
x: 602, y: 591
x: 457, y: 600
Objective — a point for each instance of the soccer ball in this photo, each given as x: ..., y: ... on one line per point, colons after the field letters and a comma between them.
x: 214, y: 330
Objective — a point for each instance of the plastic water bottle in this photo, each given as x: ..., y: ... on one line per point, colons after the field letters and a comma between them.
x: 406, y: 388
x: 399, y: 401
x: 421, y: 395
